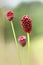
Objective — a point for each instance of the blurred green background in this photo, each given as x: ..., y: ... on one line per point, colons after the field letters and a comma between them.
x: 35, y: 11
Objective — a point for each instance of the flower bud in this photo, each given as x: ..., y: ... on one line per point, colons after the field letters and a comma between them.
x: 10, y: 15
x: 26, y: 23
x: 22, y: 40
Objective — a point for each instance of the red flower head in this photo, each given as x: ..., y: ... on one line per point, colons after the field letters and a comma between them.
x: 22, y: 40
x: 26, y: 23
x: 10, y: 15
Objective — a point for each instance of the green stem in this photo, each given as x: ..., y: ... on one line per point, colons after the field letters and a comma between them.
x: 16, y: 42
x: 24, y: 55
x: 28, y: 46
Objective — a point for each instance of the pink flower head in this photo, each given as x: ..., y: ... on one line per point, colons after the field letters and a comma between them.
x: 22, y: 40
x: 10, y: 15
x: 26, y: 23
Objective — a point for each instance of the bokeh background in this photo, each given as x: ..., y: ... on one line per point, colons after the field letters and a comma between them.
x: 8, y: 50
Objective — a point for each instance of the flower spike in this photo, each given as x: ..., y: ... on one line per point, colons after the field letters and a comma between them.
x: 10, y: 15
x: 22, y: 40
x: 26, y: 23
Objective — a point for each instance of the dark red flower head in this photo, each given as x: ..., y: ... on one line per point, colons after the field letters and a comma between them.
x: 22, y: 40
x: 26, y: 23
x: 10, y: 15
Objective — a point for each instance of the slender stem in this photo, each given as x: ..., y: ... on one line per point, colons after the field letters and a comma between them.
x: 24, y: 55
x: 28, y: 39
x: 28, y: 46
x: 16, y: 42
